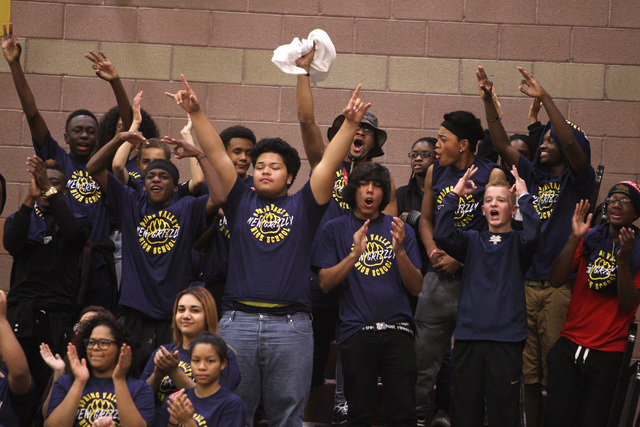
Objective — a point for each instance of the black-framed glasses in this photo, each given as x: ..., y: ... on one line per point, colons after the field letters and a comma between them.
x: 103, y: 344
x: 423, y: 154
x: 624, y: 201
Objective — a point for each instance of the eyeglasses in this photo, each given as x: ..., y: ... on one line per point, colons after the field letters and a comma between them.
x: 423, y: 154
x: 104, y: 344
x: 365, y: 131
x: 624, y: 201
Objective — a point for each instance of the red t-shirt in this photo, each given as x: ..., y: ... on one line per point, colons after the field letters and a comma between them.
x: 594, y: 319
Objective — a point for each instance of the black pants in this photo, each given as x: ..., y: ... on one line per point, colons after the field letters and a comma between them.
x: 581, y: 386
x: 488, y: 371
x: 389, y: 354
x: 148, y: 334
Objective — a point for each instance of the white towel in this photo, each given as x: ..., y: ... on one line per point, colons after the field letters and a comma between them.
x: 285, y: 56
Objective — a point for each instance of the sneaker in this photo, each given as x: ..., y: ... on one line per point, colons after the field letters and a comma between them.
x: 340, y: 413
x: 441, y: 419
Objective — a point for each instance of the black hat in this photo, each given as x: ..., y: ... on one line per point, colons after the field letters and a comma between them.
x: 165, y: 165
x: 370, y: 120
x: 629, y: 188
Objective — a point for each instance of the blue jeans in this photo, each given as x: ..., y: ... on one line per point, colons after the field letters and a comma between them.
x: 275, y: 356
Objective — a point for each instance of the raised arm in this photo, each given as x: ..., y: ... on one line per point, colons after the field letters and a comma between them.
x: 120, y: 159
x: 311, y: 134
x: 322, y: 179
x: 208, y: 138
x: 499, y: 136
x: 12, y: 354
x: 129, y: 414
x: 197, y: 176
x: 217, y: 195
x: 628, y: 293
x: 12, y: 50
x: 563, y: 266
x: 97, y: 166
x: 575, y: 155
x: 106, y: 71
x: 64, y: 413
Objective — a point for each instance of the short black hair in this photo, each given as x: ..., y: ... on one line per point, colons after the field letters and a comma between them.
x: 237, y: 131
x: 54, y: 165
x: 155, y: 143
x: 368, y: 171
x: 81, y: 112
x: 109, y: 123
x: 464, y: 125
x: 212, y: 339
x: 428, y: 139
x: 279, y: 146
x: 120, y: 333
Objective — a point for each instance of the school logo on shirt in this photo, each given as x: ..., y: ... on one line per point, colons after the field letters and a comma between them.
x: 467, y: 207
x: 96, y: 405
x: 134, y: 174
x: 601, y: 273
x: 167, y: 386
x: 270, y: 224
x: 545, y: 200
x: 200, y: 420
x: 338, y: 187
x: 83, y: 188
x: 224, y: 228
x: 37, y: 211
x: 158, y: 233
x: 377, y: 257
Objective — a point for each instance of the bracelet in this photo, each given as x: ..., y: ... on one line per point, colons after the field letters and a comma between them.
x: 173, y: 423
x: 201, y: 157
x: 493, y: 120
x: 307, y: 74
x: 433, y: 252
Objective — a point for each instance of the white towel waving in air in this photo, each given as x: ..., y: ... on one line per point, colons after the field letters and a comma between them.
x: 285, y: 56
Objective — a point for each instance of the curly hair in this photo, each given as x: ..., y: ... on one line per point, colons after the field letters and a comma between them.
x: 369, y: 171
x: 279, y: 146
x: 208, y: 308
x: 108, y: 125
x: 121, y: 335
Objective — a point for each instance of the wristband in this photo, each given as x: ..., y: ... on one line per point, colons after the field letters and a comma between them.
x: 173, y: 423
x: 201, y: 157
x: 433, y: 252
x: 307, y: 74
x: 493, y: 120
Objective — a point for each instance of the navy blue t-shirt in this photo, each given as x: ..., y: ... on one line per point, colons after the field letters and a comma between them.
x: 270, y: 248
x: 373, y: 291
x: 99, y: 399
x: 156, y: 247
x: 229, y: 377
x: 555, y: 199
x: 221, y: 409
x: 491, y: 305
x: 84, y: 192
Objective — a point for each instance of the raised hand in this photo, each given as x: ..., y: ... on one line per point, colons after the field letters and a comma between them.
x: 137, y: 114
x: 165, y: 361
x: 55, y: 362
x: 580, y: 226
x: 485, y: 86
x: 78, y: 367
x: 124, y: 363
x: 10, y: 46
x: 397, y: 233
x: 520, y: 187
x: 304, y: 61
x: 530, y: 87
x: 627, y: 242
x: 186, y: 130
x: 102, y: 66
x: 356, y: 109
x: 185, y: 98
x: 534, y: 110
x: 182, y: 149
x: 134, y: 138
x: 180, y: 407
x: 465, y: 184
x: 360, y: 240
x: 35, y: 166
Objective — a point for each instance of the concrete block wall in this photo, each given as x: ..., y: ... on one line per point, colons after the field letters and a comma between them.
x: 416, y: 60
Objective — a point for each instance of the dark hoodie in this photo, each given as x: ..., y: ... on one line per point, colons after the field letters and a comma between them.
x: 555, y: 198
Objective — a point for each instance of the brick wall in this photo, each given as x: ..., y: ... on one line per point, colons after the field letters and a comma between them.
x: 415, y: 60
